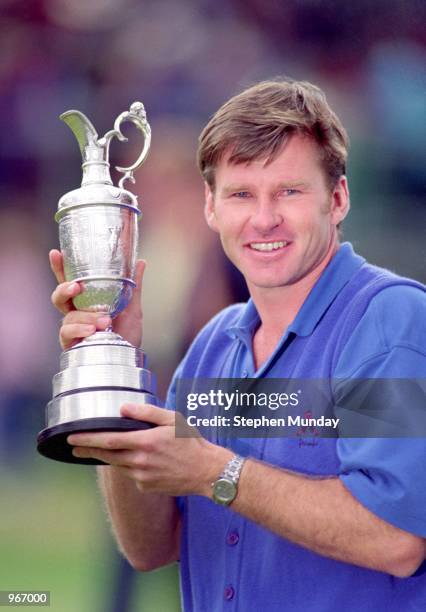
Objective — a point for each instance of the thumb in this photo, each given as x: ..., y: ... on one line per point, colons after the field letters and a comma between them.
x: 149, y: 413
x: 56, y: 261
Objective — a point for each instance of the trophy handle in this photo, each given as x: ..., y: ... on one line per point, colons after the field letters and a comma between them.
x: 137, y: 115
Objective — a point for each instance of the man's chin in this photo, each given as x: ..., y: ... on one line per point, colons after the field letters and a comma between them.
x: 265, y: 284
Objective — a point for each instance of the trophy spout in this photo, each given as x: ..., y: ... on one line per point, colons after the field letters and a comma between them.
x: 82, y: 129
x: 94, y: 152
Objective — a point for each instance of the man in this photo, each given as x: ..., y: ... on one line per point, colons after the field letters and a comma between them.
x: 334, y: 526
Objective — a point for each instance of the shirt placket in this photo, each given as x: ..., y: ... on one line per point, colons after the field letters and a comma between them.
x: 234, y: 543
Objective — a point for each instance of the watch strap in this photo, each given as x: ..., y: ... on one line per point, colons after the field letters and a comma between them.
x: 232, y: 469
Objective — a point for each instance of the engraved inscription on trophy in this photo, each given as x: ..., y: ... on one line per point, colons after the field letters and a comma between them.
x: 98, y: 234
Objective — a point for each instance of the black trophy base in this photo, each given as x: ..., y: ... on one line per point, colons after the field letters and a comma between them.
x: 52, y: 441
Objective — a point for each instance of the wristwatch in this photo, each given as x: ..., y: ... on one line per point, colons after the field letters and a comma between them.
x: 226, y: 486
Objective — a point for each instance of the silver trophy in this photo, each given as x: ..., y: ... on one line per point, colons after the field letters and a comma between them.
x: 98, y: 234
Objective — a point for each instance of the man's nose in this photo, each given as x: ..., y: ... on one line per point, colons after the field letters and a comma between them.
x: 266, y: 216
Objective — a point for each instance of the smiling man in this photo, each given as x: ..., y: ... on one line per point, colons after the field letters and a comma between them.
x: 277, y: 218
x: 270, y: 523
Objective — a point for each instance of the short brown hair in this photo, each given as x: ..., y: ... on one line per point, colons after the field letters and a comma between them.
x: 256, y: 123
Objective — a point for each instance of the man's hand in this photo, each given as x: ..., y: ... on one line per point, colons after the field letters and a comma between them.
x: 156, y: 459
x: 78, y: 324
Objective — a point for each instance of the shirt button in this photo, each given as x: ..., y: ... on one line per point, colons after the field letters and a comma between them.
x: 232, y: 538
x: 229, y: 592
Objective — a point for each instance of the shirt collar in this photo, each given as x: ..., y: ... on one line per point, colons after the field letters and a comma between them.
x: 335, y: 276
x: 246, y: 324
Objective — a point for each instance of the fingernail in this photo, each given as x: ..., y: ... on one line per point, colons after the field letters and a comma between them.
x: 71, y: 289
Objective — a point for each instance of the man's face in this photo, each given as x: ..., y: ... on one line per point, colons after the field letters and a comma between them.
x: 277, y: 222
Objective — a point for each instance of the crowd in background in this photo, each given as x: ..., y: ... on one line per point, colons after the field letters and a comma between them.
x: 183, y: 59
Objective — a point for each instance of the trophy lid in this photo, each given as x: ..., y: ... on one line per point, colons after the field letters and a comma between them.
x: 96, y: 186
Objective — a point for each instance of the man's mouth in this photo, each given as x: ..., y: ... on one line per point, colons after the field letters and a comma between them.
x: 268, y: 246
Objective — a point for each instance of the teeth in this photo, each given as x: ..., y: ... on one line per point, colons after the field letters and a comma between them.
x: 268, y: 246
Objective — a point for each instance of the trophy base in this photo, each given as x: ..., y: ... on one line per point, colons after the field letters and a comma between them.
x: 52, y: 441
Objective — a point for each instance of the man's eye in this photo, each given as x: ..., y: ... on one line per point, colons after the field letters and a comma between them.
x: 289, y: 192
x: 241, y: 194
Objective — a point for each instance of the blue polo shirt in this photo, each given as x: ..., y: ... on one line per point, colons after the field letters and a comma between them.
x: 358, y: 321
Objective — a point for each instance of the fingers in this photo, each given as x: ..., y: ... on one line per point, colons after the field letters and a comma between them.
x: 57, y: 265
x: 129, y: 440
x: 72, y: 334
x: 78, y: 325
x: 118, y: 458
x: 100, y: 320
x: 108, y: 440
x: 148, y: 412
x: 63, y: 294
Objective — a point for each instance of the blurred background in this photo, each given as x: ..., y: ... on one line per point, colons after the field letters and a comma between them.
x: 182, y: 58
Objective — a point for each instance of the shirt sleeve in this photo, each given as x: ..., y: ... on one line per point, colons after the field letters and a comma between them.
x: 386, y: 474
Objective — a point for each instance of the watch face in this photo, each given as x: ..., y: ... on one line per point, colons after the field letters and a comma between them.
x: 224, y: 491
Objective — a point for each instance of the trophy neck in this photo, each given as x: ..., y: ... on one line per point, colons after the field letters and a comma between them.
x: 95, y: 165
x: 107, y: 337
x: 96, y: 172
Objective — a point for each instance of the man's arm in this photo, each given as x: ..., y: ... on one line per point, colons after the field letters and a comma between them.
x: 146, y: 525
x: 322, y: 515
x: 319, y: 514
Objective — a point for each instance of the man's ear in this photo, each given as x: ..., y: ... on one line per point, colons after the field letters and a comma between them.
x: 209, y: 209
x: 340, y: 204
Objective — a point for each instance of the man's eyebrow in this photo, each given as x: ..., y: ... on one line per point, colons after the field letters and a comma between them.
x: 282, y: 184
x: 292, y: 184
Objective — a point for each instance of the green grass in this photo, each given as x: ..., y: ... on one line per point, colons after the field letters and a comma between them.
x: 54, y: 536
